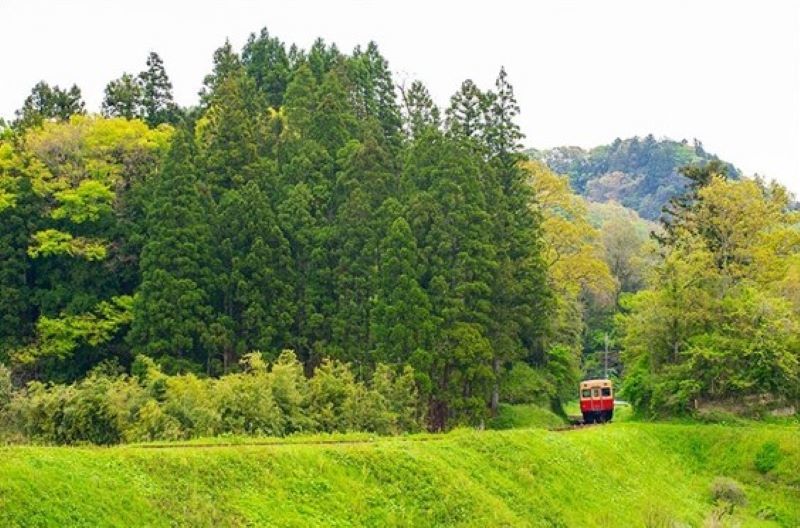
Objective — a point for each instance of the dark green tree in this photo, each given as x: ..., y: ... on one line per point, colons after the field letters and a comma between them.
x: 502, y: 135
x: 45, y: 103
x: 309, y: 243
x: 172, y: 308
x: 322, y: 58
x: 450, y: 218
x: 519, y: 290
x: 334, y: 121
x: 17, y: 306
x: 230, y: 134
x: 419, y: 110
x: 158, y: 105
x: 360, y: 185
x: 300, y: 101
x: 402, y: 322
x: 226, y: 63
x: 464, y: 118
x: 375, y: 91
x: 123, y: 97
x: 255, y: 277
x: 267, y: 63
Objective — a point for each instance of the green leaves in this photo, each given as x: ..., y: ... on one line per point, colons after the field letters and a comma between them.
x: 288, y: 211
x: 718, y: 320
x: 60, y: 337
x: 89, y: 202
x: 51, y: 242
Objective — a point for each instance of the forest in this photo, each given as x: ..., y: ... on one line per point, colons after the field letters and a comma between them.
x: 642, y: 174
x: 315, y: 248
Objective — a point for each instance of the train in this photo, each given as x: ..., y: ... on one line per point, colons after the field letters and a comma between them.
x: 597, y: 400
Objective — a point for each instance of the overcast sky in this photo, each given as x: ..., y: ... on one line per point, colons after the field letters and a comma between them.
x: 585, y: 72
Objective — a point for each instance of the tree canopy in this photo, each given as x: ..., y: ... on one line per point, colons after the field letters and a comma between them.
x: 302, y: 206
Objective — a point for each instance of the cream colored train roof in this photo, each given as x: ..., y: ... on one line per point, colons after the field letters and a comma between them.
x: 590, y: 384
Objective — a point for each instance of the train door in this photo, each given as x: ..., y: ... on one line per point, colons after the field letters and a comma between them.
x: 597, y: 401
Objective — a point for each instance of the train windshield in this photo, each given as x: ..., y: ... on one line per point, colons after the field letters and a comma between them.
x: 586, y: 393
x: 606, y: 391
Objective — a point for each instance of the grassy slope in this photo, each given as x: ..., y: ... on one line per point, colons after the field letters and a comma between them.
x: 625, y: 474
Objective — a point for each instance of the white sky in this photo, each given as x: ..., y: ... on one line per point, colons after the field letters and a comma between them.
x: 585, y: 72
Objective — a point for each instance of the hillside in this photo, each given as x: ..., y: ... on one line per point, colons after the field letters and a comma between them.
x: 625, y: 474
x: 641, y: 174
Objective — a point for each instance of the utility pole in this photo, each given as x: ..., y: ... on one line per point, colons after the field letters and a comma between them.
x: 605, y: 356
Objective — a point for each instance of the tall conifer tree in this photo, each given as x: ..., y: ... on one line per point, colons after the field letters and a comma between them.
x: 173, y: 305
x: 267, y: 63
x: 158, y: 105
x: 403, y: 326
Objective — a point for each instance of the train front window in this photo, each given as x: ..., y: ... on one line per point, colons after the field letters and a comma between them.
x: 606, y: 391
x: 586, y: 393
x: 595, y: 393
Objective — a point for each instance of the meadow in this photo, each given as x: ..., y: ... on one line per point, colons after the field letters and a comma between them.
x: 619, y: 474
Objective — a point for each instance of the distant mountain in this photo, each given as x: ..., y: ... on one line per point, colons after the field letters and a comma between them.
x: 639, y: 173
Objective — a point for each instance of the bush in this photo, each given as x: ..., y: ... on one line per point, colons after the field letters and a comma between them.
x: 727, y: 491
x: 289, y: 388
x: 107, y: 407
x: 329, y: 389
x: 245, y: 405
x: 519, y: 416
x: 525, y: 384
x: 768, y: 457
x: 399, y: 392
x: 6, y: 389
x: 98, y: 409
x: 188, y: 399
x: 152, y: 423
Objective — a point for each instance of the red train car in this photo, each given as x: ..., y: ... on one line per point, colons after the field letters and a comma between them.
x: 597, y: 400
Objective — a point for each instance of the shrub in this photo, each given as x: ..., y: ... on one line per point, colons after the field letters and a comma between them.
x: 96, y: 410
x: 289, y: 388
x: 152, y: 423
x: 399, y: 391
x: 768, y: 457
x: 6, y: 389
x: 367, y: 410
x: 329, y: 389
x: 245, y: 405
x: 87, y: 414
x: 108, y: 407
x: 189, y: 401
x: 525, y: 384
x: 727, y: 491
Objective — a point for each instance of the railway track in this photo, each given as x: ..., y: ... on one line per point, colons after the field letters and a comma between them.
x: 575, y: 422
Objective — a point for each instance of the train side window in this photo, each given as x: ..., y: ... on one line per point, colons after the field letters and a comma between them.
x: 586, y: 393
x: 606, y: 391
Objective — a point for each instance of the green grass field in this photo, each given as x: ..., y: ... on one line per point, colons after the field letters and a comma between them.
x: 621, y: 474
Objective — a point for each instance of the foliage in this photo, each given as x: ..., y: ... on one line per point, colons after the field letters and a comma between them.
x: 306, y: 205
x: 640, y: 173
x: 524, y: 416
x: 49, y: 103
x: 71, y: 235
x: 523, y: 383
x: 262, y: 400
x: 579, y: 273
x: 301, y: 206
x: 6, y: 388
x: 715, y: 321
x: 768, y: 457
